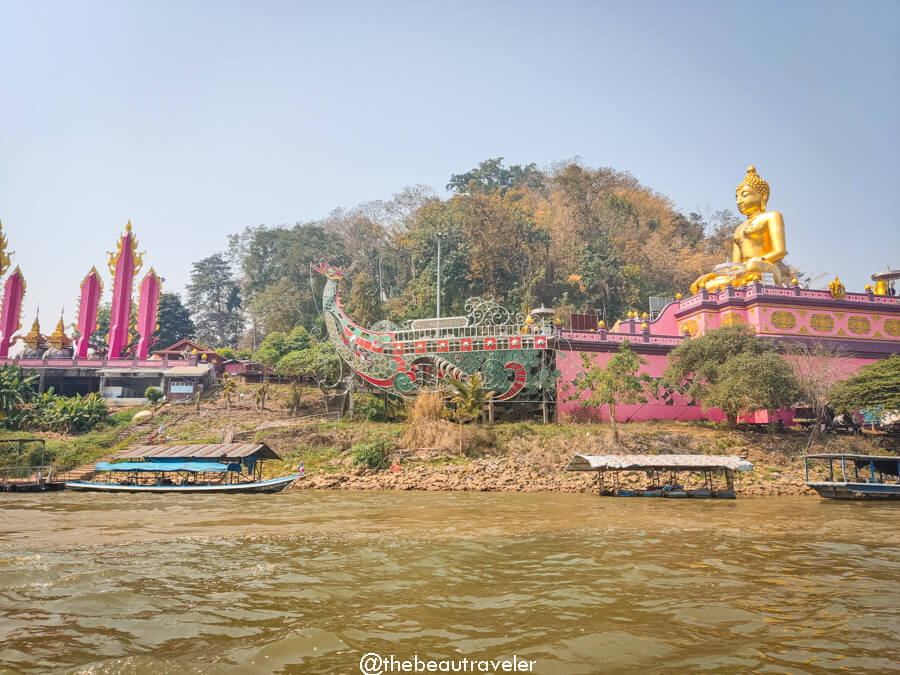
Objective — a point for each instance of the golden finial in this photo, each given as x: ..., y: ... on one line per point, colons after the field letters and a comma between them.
x: 837, y: 289
x: 678, y: 296
x: 34, y: 339
x: 128, y: 226
x: 753, y: 181
x: 602, y: 323
x: 644, y: 315
x: 795, y: 281
x: 4, y: 256
x: 59, y: 339
x: 868, y: 287
x: 644, y: 326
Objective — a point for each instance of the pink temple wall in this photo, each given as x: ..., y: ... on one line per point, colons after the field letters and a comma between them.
x: 569, y: 364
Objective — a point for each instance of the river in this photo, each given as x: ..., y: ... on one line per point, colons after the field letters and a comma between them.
x: 308, y: 581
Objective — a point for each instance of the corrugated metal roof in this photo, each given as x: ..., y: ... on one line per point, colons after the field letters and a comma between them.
x: 196, y: 450
x: 643, y: 462
x: 188, y: 371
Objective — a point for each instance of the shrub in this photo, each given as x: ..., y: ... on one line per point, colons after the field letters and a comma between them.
x: 373, y: 454
x: 153, y: 394
x: 428, y: 405
x: 369, y: 407
x: 226, y: 352
x: 78, y: 414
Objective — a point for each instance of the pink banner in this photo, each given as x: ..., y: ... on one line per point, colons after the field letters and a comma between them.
x: 13, y: 292
x: 88, y: 306
x: 147, y: 313
x: 124, y: 265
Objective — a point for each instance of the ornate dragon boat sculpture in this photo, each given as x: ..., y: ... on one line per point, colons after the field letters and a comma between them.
x: 513, y: 353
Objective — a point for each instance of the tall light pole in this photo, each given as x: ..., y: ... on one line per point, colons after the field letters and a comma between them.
x: 438, y: 237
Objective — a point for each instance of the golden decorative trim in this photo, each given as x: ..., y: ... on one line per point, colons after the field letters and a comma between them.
x: 822, y: 323
x: 732, y: 319
x: 859, y: 325
x: 783, y: 320
x: 891, y: 327
x: 691, y: 326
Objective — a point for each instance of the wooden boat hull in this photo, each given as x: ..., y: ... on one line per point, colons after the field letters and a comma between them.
x: 272, y: 485
x: 673, y: 494
x: 840, y: 490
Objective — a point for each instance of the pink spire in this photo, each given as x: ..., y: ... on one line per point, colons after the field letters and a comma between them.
x: 124, y: 265
x: 88, y: 306
x: 13, y: 291
x: 147, y: 312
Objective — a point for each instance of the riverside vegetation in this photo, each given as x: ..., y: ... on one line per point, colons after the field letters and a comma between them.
x: 422, y: 447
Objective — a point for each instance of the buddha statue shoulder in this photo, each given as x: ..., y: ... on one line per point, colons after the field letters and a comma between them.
x: 758, y: 242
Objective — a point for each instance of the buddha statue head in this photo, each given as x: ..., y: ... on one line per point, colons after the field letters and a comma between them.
x: 752, y: 194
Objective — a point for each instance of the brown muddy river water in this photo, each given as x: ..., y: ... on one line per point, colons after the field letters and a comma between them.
x: 308, y: 582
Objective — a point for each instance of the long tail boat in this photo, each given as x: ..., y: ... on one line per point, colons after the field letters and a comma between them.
x: 222, y: 468
x: 861, y: 477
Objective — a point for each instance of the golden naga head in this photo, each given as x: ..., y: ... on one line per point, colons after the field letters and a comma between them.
x: 759, y: 188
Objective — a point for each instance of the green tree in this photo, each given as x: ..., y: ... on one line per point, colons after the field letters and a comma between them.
x: 616, y: 383
x: 98, y: 337
x: 702, y: 366
x: 320, y: 363
x: 491, y: 176
x: 364, y: 306
x: 748, y: 382
x: 273, y: 347
x: 468, y: 400
x: 298, y: 339
x: 215, y: 302
x: 227, y: 352
x: 174, y: 320
x: 876, y: 385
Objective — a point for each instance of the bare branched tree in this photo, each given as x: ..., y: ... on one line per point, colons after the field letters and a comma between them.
x: 817, y: 367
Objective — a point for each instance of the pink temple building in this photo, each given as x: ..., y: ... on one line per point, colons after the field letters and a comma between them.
x: 865, y: 325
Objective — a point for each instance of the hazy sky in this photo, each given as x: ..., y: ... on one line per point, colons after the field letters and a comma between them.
x: 196, y: 119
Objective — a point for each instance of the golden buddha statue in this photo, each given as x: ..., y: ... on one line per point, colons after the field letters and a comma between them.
x: 758, y: 242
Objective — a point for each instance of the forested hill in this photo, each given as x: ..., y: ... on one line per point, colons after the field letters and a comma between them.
x: 570, y: 237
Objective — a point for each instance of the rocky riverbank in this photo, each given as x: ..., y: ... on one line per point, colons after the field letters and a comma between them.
x: 526, y: 458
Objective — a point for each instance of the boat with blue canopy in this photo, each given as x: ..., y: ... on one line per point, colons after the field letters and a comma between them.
x: 861, y: 476
x: 190, y: 468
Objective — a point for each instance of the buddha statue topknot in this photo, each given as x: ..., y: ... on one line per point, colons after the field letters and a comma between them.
x: 758, y: 242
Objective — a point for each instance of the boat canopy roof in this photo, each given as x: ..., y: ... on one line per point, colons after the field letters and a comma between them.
x: 208, y: 451
x: 883, y: 463
x: 663, y: 462
x: 193, y: 467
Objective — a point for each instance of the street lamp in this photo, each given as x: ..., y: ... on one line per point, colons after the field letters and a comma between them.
x: 438, y: 236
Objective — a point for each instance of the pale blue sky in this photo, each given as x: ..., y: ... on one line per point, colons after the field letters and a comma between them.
x: 195, y: 120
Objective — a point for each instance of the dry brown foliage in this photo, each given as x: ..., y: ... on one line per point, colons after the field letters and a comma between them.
x: 428, y: 405
x: 431, y: 435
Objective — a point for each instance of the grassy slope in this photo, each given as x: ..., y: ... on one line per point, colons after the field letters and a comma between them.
x: 535, y: 449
